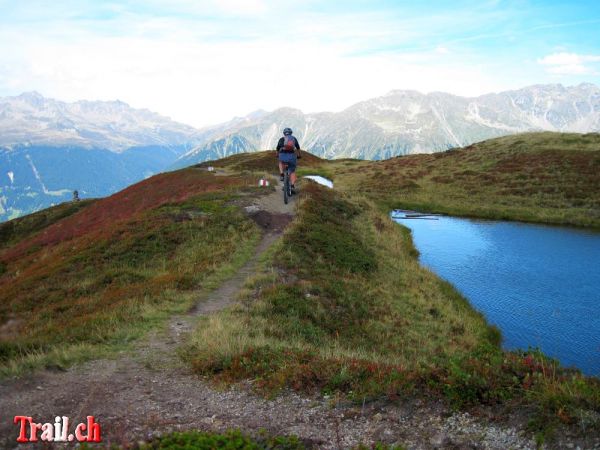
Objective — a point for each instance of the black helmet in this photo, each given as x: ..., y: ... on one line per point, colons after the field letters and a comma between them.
x: 287, y: 131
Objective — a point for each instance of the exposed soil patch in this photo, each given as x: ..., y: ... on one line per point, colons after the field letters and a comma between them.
x: 271, y: 221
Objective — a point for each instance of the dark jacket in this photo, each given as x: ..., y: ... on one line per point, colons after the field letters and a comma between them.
x: 280, y: 144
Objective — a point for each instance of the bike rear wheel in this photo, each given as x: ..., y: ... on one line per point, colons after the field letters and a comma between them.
x: 286, y: 187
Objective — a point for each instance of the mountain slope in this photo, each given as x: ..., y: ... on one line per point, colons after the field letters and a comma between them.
x: 104, y: 270
x: 40, y: 176
x: 50, y: 148
x: 406, y: 122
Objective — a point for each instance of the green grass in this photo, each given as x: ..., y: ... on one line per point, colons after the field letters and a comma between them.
x: 321, y: 171
x: 232, y: 440
x: 83, y: 297
x: 342, y: 306
x: 534, y: 177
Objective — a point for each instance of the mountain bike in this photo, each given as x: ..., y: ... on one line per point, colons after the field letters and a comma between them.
x: 287, y: 186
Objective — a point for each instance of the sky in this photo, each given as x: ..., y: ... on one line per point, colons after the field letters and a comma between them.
x: 205, y: 62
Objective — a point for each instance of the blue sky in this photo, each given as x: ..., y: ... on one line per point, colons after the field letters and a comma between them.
x: 203, y: 62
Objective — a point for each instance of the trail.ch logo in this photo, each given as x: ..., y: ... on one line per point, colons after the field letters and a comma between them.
x: 58, y: 431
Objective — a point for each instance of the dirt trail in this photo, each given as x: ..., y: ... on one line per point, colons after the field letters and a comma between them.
x: 149, y: 390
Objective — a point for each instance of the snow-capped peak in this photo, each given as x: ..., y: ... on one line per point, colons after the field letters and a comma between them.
x: 114, y: 125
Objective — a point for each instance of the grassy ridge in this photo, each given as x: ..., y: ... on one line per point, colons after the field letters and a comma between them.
x: 101, y: 276
x: 342, y: 306
x: 265, y: 161
x: 164, y: 188
x: 536, y: 177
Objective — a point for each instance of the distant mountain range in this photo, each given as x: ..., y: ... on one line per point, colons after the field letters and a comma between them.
x: 31, y: 119
x: 404, y: 122
x: 49, y: 148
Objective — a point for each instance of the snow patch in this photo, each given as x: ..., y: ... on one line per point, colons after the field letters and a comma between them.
x: 414, y: 109
x: 268, y: 139
x: 474, y: 116
x: 442, y: 119
x: 37, y: 176
x: 321, y: 180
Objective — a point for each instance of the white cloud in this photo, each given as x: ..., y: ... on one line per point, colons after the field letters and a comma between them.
x: 564, y: 63
x: 204, y: 83
x: 244, y: 7
x: 225, y: 7
x: 205, y: 62
x: 177, y: 67
x: 569, y: 69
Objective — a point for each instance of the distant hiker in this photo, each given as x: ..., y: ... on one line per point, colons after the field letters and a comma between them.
x: 75, y: 196
x: 286, y: 153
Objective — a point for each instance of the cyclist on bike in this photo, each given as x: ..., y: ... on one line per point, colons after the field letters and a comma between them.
x: 286, y: 153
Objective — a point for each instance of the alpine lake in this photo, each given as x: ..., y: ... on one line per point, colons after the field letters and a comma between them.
x: 540, y: 285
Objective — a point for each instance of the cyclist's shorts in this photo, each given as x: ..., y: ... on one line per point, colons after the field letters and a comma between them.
x: 290, y: 159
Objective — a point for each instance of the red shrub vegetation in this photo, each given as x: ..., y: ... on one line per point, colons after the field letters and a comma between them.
x: 172, y: 187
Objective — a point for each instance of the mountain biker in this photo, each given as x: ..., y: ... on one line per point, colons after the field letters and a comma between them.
x: 286, y: 153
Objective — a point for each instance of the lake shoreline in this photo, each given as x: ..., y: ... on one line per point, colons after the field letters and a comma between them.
x: 462, y: 277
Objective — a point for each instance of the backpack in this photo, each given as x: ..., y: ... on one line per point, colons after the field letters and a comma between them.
x: 289, y: 143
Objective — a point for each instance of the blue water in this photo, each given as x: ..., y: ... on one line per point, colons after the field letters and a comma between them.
x: 540, y: 285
